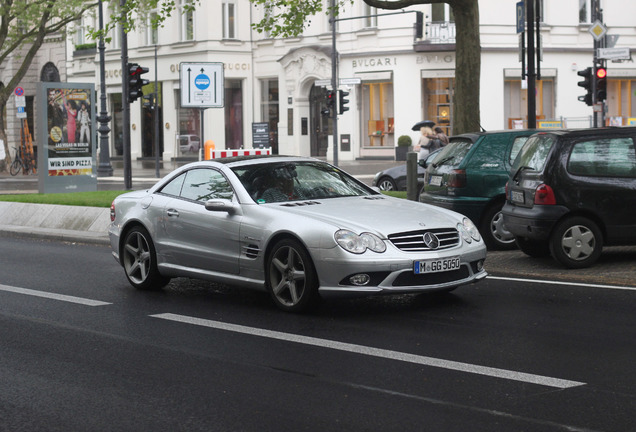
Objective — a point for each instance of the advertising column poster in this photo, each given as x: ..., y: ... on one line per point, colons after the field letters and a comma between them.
x: 67, y: 158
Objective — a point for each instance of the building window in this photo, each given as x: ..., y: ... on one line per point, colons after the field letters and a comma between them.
x: 80, y: 32
x: 229, y: 22
x: 189, y: 128
x: 270, y: 110
x: 187, y: 20
x: 116, y: 126
x: 442, y: 12
x: 585, y: 11
x: 152, y: 34
x: 369, y: 21
x: 621, y: 102
x: 516, y: 101
x: 377, y: 112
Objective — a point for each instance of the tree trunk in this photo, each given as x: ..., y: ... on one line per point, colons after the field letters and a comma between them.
x: 466, y: 113
x: 6, y: 162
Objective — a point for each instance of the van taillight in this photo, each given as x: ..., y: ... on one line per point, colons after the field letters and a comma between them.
x: 544, y: 195
x: 457, y: 178
x: 112, y: 212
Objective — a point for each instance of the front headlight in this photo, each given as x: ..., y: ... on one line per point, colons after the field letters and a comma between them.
x: 468, y: 230
x: 358, y: 244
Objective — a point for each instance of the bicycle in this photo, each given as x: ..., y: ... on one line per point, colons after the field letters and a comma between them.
x: 22, y: 162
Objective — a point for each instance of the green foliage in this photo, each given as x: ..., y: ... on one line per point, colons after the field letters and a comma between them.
x: 84, y: 199
x: 404, y: 141
x: 85, y: 46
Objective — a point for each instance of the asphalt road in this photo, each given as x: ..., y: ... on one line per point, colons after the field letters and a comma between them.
x: 82, y: 350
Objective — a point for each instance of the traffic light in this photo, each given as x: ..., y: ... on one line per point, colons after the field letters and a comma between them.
x: 331, y: 101
x: 587, y: 85
x: 135, y: 82
x: 419, y: 25
x: 343, y: 102
x: 601, y: 84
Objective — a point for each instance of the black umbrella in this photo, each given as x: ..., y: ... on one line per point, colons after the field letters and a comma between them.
x: 423, y: 123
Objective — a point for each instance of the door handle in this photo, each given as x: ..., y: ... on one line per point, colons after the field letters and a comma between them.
x: 172, y: 212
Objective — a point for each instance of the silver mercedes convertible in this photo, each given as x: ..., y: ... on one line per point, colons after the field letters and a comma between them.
x: 296, y: 227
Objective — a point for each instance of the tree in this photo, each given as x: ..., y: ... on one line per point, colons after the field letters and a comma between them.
x: 287, y: 18
x: 24, y: 25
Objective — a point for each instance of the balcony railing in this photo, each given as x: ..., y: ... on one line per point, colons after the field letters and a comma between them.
x: 440, y: 32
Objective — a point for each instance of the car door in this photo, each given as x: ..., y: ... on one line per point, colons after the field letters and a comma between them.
x: 201, y: 239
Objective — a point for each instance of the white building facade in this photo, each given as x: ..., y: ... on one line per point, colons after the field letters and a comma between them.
x: 394, y: 79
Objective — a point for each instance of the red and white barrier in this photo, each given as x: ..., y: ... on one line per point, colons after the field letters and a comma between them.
x: 218, y: 154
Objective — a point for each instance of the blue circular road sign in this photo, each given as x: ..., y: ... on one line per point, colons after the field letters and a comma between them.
x: 202, y: 81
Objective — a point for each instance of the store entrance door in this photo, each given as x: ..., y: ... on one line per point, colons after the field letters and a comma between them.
x: 320, y: 125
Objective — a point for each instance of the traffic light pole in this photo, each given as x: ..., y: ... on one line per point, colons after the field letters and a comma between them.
x: 125, y: 103
x: 334, y: 81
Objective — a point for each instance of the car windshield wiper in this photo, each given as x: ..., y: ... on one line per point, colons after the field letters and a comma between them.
x: 446, y: 159
x: 519, y: 170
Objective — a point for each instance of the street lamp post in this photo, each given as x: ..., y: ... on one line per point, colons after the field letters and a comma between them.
x: 104, y: 169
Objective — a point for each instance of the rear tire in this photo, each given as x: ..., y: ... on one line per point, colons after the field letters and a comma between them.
x: 140, y: 261
x: 387, y: 184
x: 576, y: 242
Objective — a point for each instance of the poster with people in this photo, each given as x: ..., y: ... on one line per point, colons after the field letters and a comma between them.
x: 69, y: 132
x: 66, y: 137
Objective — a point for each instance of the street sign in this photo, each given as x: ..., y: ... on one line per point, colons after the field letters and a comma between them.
x: 19, y: 91
x: 322, y: 83
x: 598, y: 30
x: 20, y: 101
x: 201, y: 85
x: 350, y: 81
x: 614, y: 53
x: 521, y: 17
x: 21, y: 112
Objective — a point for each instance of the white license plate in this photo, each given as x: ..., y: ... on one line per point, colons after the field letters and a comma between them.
x: 516, y: 196
x: 436, y: 181
x: 436, y: 266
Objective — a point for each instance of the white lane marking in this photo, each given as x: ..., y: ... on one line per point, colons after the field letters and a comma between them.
x: 541, y: 281
x: 61, y: 297
x: 376, y: 352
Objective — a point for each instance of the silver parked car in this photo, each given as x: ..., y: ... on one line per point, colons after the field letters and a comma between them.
x: 297, y: 227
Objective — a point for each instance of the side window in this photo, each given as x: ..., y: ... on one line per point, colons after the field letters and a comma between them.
x: 204, y: 184
x: 516, y: 146
x: 174, y: 187
x: 613, y: 157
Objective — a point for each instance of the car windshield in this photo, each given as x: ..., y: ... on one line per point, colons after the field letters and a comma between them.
x: 534, y: 153
x: 453, y: 153
x: 292, y: 181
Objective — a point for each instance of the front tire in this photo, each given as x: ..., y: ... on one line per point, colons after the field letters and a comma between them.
x: 140, y: 261
x: 291, y: 276
x: 576, y: 242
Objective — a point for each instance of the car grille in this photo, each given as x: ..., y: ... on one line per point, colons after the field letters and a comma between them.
x: 413, y: 241
x: 411, y: 279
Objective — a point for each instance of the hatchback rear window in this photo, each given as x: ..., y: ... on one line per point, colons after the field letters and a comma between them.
x: 453, y: 153
x: 534, y: 153
x: 613, y: 157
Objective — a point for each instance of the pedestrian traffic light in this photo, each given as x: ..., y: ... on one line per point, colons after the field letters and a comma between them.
x: 135, y: 82
x: 343, y: 101
x: 587, y: 85
x: 601, y: 84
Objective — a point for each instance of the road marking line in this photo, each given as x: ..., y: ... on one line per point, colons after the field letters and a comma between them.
x: 541, y: 281
x: 66, y: 298
x: 376, y: 352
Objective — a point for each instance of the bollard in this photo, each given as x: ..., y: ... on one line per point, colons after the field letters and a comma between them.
x: 411, y: 177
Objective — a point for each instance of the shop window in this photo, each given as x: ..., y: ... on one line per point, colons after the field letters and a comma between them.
x: 438, y: 97
x: 116, y: 127
x: 377, y: 110
x: 188, y: 141
x: 234, y: 114
x: 516, y: 102
x: 621, y: 102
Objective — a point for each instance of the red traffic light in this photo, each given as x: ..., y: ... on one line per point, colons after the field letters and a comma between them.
x: 601, y: 73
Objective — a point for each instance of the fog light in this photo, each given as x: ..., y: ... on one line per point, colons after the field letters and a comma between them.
x: 360, y: 279
x: 480, y: 265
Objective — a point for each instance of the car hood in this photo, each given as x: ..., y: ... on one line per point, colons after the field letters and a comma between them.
x: 377, y: 213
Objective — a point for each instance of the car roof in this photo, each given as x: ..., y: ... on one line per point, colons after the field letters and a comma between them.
x: 588, y: 131
x: 474, y: 136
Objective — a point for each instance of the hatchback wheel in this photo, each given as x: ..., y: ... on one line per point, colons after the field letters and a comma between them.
x: 291, y: 276
x: 495, y: 234
x: 387, y: 184
x: 576, y: 242
x: 140, y: 261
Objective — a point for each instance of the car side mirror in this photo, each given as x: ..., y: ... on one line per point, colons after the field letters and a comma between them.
x: 222, y: 205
